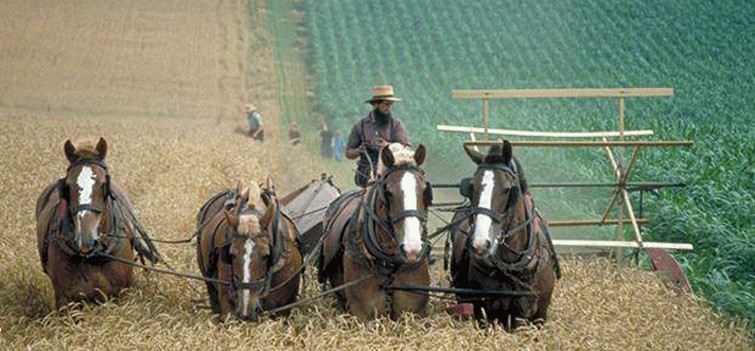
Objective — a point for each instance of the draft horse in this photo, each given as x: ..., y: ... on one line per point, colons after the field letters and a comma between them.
x: 501, y: 243
x: 377, y: 237
x: 249, y: 252
x: 86, y: 230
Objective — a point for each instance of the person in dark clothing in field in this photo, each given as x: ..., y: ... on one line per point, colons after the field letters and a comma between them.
x: 378, y: 128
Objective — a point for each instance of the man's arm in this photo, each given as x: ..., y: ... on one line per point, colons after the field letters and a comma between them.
x: 399, y: 133
x: 355, y: 146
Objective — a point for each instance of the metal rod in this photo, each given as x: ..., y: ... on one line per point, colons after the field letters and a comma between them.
x: 634, y: 186
x: 630, y: 186
x: 479, y: 292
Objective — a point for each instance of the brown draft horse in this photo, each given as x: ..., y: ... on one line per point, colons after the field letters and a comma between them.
x: 501, y: 243
x: 248, y: 248
x: 83, y: 220
x: 377, y: 237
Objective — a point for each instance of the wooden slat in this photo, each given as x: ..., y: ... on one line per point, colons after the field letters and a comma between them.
x: 526, y: 133
x: 538, y: 143
x: 560, y: 93
x: 585, y: 223
x: 626, y: 244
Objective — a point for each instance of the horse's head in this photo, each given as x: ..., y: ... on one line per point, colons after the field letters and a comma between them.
x: 251, y: 249
x: 495, y: 194
x: 85, y: 190
x: 406, y: 195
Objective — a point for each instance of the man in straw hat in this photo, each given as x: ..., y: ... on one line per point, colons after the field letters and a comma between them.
x: 256, y: 130
x: 375, y: 130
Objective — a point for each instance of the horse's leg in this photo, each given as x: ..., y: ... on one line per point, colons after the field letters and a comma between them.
x: 69, y: 280
x: 365, y: 300
x: 405, y: 301
x: 546, y: 280
x: 212, y: 291
x: 335, y: 276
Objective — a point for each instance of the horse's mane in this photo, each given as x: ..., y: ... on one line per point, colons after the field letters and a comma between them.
x: 250, y: 224
x: 86, y: 149
x: 402, y: 154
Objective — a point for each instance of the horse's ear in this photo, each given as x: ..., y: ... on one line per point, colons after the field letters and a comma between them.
x: 419, y: 154
x: 239, y: 187
x: 269, y: 184
x: 499, y: 153
x: 243, y: 199
x: 387, y: 156
x: 233, y: 221
x: 269, y: 215
x: 507, y: 151
x: 69, y: 150
x: 472, y: 152
x: 102, y: 148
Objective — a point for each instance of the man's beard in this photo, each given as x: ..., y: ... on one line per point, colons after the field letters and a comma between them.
x: 382, y: 118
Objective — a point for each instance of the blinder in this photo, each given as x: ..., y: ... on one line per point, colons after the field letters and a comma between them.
x: 465, y: 187
x: 428, y: 194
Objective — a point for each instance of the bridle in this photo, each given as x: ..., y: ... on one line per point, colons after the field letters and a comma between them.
x: 526, y: 256
x: 377, y: 193
x: 263, y: 285
x: 67, y: 214
x: 106, y: 190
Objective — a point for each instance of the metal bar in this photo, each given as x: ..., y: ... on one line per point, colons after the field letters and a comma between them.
x: 630, y: 186
x: 481, y: 292
x: 526, y: 133
x: 546, y: 143
x: 589, y: 222
x: 560, y: 93
x: 622, y: 244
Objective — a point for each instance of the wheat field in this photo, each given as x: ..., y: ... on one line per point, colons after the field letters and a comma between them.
x: 164, y: 83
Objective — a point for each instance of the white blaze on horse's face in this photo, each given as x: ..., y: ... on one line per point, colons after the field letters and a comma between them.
x: 247, y: 277
x: 86, y: 231
x: 482, y: 225
x: 412, y: 243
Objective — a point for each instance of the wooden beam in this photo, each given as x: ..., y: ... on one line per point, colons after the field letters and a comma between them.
x: 537, y: 143
x: 526, y: 133
x: 584, y: 223
x: 560, y: 93
x: 620, y: 244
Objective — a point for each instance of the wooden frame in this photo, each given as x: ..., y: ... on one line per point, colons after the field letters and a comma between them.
x: 620, y: 168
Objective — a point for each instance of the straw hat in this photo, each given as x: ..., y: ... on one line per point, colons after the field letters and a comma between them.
x: 250, y: 108
x: 382, y: 92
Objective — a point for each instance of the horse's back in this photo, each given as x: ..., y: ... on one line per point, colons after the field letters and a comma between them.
x: 214, y: 205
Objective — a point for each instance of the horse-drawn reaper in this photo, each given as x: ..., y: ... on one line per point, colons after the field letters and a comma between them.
x: 500, y: 242
x: 86, y: 230
x: 376, y: 238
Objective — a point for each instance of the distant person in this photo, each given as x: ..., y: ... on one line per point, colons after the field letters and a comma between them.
x: 339, y: 145
x: 294, y: 137
x: 256, y: 129
x: 375, y: 130
x: 326, y: 135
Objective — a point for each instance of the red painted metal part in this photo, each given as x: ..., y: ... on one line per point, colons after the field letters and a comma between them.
x: 668, y: 268
x: 462, y: 311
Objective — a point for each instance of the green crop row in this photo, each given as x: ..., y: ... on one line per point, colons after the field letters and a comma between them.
x: 704, y: 50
